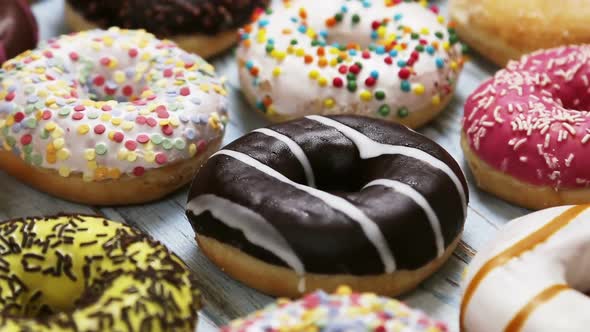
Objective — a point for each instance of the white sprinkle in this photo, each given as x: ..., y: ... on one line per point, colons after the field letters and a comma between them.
x: 490, y: 101
x: 568, y: 160
x: 519, y: 143
x: 569, y: 128
x: 497, y: 114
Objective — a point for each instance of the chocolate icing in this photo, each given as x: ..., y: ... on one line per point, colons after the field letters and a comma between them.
x: 18, y: 29
x: 169, y: 17
x: 326, y: 240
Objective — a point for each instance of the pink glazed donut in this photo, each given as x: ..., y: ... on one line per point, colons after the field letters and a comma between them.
x: 526, y: 131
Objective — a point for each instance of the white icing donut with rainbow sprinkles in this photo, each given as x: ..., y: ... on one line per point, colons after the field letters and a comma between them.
x: 108, y: 117
x: 388, y: 59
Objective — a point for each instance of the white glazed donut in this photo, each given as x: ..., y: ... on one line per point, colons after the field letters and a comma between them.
x: 108, y: 117
x: 384, y: 58
x: 533, y: 276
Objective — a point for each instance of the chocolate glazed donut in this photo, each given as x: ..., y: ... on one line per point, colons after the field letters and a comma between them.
x: 173, y: 19
x: 18, y: 29
x: 331, y: 200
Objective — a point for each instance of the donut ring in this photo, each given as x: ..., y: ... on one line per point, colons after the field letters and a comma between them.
x: 204, y: 27
x: 538, y: 263
x: 324, y: 201
x: 385, y: 59
x: 506, y: 30
x: 108, y: 117
x: 83, y: 273
x: 342, y: 311
x: 525, y: 131
x: 18, y: 29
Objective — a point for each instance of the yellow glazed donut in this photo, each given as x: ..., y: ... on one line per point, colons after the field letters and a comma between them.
x: 506, y: 30
x: 108, y: 117
x: 81, y: 273
x: 385, y: 58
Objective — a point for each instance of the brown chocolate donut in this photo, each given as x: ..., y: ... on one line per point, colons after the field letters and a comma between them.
x: 329, y: 201
x: 202, y: 26
x: 18, y: 29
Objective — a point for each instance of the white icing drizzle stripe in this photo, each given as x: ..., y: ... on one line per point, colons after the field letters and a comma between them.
x: 369, y: 227
x: 410, y: 192
x: 254, y: 226
x: 296, y: 150
x: 371, y: 149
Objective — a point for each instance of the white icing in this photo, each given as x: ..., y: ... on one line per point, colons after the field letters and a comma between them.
x: 422, y: 202
x: 293, y: 92
x: 371, y: 149
x: 254, y: 226
x: 369, y: 227
x: 296, y: 150
x: 563, y: 259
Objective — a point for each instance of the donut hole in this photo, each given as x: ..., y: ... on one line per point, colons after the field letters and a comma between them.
x: 42, y: 295
x: 122, y: 85
x: 341, y: 180
x: 345, y: 38
x: 570, y: 98
x: 113, y: 74
x: 571, y: 94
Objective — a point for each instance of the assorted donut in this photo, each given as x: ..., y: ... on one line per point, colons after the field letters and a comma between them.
x: 394, y: 60
x: 205, y: 27
x: 525, y: 131
x: 506, y: 30
x: 108, y: 117
x: 342, y: 311
x: 539, y: 264
x: 84, y: 273
x: 341, y: 192
x: 323, y: 201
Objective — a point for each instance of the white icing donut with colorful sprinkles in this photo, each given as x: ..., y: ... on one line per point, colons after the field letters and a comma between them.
x: 108, y: 117
x: 387, y: 59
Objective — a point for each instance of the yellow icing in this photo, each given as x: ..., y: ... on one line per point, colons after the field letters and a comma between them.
x: 80, y: 273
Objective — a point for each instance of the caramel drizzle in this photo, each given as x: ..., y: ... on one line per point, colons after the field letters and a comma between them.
x: 521, y: 317
x: 517, y: 249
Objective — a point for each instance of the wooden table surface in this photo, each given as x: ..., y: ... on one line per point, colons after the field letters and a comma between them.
x: 225, y: 298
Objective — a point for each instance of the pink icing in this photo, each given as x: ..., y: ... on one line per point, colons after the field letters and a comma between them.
x: 531, y: 119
